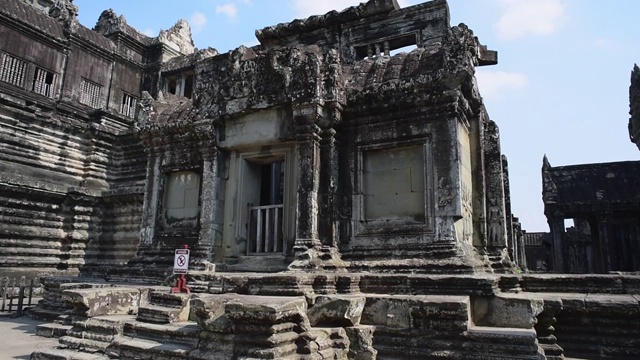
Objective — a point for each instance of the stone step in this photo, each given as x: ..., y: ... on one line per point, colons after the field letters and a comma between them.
x: 139, y: 349
x: 52, y: 330
x: 167, y: 299
x: 501, y: 343
x: 162, y: 314
x: 178, y: 332
x: 65, y: 354
x: 87, y: 345
x: 39, y: 313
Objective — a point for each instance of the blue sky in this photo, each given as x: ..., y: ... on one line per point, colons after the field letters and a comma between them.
x: 560, y: 88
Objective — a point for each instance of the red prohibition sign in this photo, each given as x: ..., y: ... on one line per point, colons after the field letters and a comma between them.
x: 181, y: 260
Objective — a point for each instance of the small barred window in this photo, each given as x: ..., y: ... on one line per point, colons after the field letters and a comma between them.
x: 43, y: 82
x: 13, y: 70
x: 90, y: 93
x: 128, y: 106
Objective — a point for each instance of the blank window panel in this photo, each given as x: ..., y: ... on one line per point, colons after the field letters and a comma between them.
x: 182, y: 201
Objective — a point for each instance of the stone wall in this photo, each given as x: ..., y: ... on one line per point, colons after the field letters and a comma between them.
x: 72, y: 169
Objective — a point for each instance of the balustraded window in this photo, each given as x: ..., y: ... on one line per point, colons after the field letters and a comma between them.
x: 43, y: 82
x: 266, y: 218
x: 13, y: 70
x: 128, y: 106
x: 90, y: 93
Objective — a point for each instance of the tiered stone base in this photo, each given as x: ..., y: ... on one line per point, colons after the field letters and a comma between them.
x: 354, y: 316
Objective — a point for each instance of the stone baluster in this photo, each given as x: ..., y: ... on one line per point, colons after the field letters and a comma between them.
x: 545, y: 330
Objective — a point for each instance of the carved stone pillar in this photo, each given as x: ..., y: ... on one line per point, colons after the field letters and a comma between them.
x: 496, y: 217
x: 212, y: 207
x: 329, y: 177
x: 306, y: 117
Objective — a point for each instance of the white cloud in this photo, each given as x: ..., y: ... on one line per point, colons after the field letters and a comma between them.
x: 227, y: 9
x: 493, y: 83
x: 150, y: 32
x: 305, y: 8
x: 521, y: 18
x: 605, y: 44
x: 198, y: 21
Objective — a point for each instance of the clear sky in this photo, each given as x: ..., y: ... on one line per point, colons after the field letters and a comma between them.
x: 560, y: 88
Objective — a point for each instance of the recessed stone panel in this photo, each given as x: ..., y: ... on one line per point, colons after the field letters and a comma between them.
x: 393, y: 183
x: 182, y: 198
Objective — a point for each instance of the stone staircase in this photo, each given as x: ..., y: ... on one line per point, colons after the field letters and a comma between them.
x: 160, y: 331
x: 164, y: 308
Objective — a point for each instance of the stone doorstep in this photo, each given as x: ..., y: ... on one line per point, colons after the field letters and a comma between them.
x: 52, y: 330
x: 64, y: 354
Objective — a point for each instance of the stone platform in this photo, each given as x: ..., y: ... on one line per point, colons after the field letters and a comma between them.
x: 348, y: 316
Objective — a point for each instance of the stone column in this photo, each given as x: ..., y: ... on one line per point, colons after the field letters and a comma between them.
x: 151, y: 192
x: 496, y: 216
x: 603, y: 246
x: 306, y: 117
x: 212, y: 203
x: 557, y: 232
x: 507, y: 210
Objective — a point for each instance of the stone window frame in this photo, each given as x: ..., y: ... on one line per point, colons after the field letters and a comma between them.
x: 365, y: 227
x: 184, y: 83
x: 177, y: 233
x: 289, y: 216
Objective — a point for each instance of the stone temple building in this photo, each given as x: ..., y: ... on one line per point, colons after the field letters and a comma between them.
x: 340, y: 201
x: 314, y: 150
x: 603, y: 200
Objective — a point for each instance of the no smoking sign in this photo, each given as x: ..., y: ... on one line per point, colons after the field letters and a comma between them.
x: 181, y: 261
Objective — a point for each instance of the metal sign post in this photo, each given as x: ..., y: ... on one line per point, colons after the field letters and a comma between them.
x: 181, y: 266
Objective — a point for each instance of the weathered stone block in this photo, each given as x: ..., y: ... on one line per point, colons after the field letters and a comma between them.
x: 507, y: 311
x: 361, y: 342
x: 334, y: 311
x: 103, y: 301
x: 209, y: 312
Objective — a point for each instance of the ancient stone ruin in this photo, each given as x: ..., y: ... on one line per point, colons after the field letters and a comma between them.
x: 340, y: 200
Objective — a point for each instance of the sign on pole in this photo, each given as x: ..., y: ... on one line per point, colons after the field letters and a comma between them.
x: 181, y: 261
